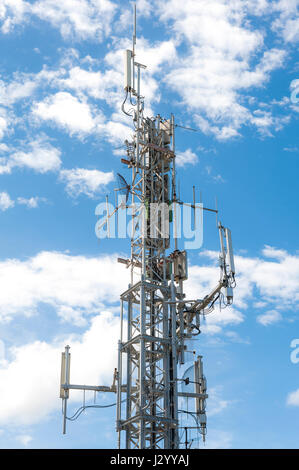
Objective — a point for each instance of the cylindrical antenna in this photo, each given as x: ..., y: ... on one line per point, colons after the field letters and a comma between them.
x: 134, y: 42
x: 216, y: 207
x: 134, y: 30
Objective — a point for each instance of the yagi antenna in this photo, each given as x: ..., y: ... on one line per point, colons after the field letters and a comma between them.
x: 187, y: 128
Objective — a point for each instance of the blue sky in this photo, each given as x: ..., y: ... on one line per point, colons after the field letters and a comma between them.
x: 227, y: 68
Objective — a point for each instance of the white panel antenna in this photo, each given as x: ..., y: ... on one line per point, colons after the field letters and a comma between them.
x: 230, y: 254
x: 64, y: 382
x: 128, y: 70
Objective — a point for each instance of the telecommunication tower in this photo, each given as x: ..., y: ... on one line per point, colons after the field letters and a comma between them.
x: 156, y: 319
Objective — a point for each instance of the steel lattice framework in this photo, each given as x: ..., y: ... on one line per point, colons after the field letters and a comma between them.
x: 155, y: 318
x: 150, y: 345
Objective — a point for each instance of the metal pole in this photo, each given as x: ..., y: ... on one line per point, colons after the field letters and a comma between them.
x: 174, y: 195
x: 174, y: 363
x: 118, y: 417
x: 67, y: 382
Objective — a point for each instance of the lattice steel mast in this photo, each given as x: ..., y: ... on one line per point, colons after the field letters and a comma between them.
x: 155, y: 317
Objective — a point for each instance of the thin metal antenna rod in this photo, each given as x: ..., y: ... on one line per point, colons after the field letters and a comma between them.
x: 174, y: 195
x: 133, y: 45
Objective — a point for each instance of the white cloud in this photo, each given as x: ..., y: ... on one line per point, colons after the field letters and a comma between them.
x: 31, y: 202
x: 293, y: 398
x: 12, y: 12
x: 224, y: 58
x: 294, y: 90
x: 4, y: 121
x: 93, y: 83
x: 276, y: 281
x: 186, y: 157
x: 287, y: 23
x: 268, y: 318
x: 272, y: 59
x: 82, y: 181
x: 5, y: 201
x: 66, y: 111
x: 81, y: 19
x: 16, y: 90
x: 37, y: 367
x: 76, y: 286
x: 216, y: 404
x: 216, y: 24
x: 115, y: 131
x: 59, y: 280
x: 272, y: 252
x: 42, y: 157
x: 77, y: 19
x: 265, y: 121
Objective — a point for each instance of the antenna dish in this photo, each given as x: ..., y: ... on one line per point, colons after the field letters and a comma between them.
x: 124, y: 187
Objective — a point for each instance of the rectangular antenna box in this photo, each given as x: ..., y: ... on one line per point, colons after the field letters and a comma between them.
x: 128, y: 70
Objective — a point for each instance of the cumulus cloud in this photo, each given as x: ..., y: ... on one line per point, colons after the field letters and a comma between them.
x: 268, y: 318
x: 94, y: 83
x: 276, y: 281
x: 77, y: 286
x: 31, y: 202
x: 12, y: 13
x: 293, y: 398
x: 67, y: 111
x: 220, y: 63
x: 61, y: 281
x: 186, y: 157
x: 5, y: 201
x: 77, y: 19
x: 82, y: 181
x: 16, y: 90
x: 287, y: 22
x: 216, y: 404
x: 40, y: 384
x: 4, y: 122
x: 213, y: 60
x: 42, y: 157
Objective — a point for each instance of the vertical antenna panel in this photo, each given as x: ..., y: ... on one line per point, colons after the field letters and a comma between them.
x: 128, y: 70
x: 230, y: 253
x: 221, y: 242
x: 65, y: 375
